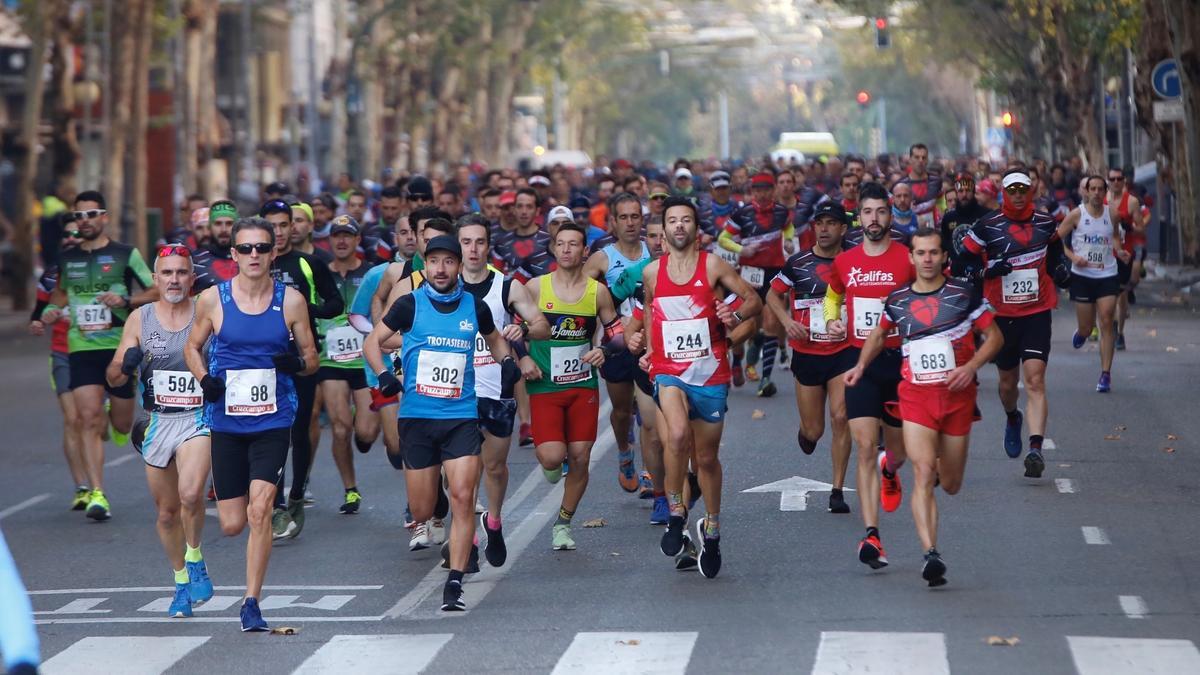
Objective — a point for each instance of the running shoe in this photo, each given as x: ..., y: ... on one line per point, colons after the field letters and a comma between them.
x: 739, y: 376
x: 252, y: 620
x: 646, y: 486
x: 561, y: 539
x: 661, y: 512
x: 672, y: 539
x: 1034, y: 464
x: 200, y: 587
x: 409, y: 523
x: 437, y: 531
x: 766, y: 389
x: 526, y: 434
x: 837, y: 503
x: 1012, y: 436
x: 212, y: 492
x: 495, y: 551
x: 1077, y: 340
x: 870, y: 552
x: 752, y: 373
x: 710, y: 552
x: 891, y: 493
x: 566, y: 466
x: 1095, y: 334
x: 806, y: 446
x: 282, y: 525
x: 181, y: 604
x: 83, y: 495
x: 472, y: 560
x: 295, y: 509
x: 350, y: 506
x: 452, y: 596
x: 309, y: 497
x: 694, y: 490
x: 1120, y: 342
x: 626, y: 471
x: 934, y: 570
x: 687, y: 559
x: 1105, y: 384
x: 420, y: 537
x: 553, y: 475
x: 97, y: 508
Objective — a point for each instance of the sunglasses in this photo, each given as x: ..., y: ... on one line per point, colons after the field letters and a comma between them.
x: 1016, y: 189
x: 1116, y: 179
x: 263, y: 248
x: 69, y: 234
x: 87, y: 215
x: 168, y: 251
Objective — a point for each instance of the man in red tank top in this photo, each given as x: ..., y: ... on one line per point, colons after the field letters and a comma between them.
x: 1133, y: 224
x: 687, y: 362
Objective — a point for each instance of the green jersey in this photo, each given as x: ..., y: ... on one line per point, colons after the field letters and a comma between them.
x: 341, y: 342
x: 84, y: 275
x: 572, y: 327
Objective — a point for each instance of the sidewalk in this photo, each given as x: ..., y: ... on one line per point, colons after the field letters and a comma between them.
x: 1169, y: 286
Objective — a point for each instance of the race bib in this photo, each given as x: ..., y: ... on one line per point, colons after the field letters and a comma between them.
x: 250, y: 393
x: 753, y: 276
x: 686, y: 340
x: 93, y: 317
x: 867, y: 314
x: 1020, y: 287
x: 1095, y: 255
x: 176, y: 389
x: 440, y: 374
x: 728, y: 256
x: 930, y: 360
x: 482, y: 355
x: 567, y: 365
x: 343, y: 344
x: 818, y: 328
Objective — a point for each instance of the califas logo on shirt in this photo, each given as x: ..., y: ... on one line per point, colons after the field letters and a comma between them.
x: 466, y: 325
x: 858, y: 277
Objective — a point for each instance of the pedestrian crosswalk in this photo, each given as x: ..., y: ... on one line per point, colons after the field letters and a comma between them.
x: 838, y: 653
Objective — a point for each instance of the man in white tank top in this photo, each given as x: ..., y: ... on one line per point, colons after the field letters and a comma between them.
x: 1093, y: 244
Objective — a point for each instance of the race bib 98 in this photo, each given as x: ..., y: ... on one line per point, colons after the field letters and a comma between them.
x: 250, y: 393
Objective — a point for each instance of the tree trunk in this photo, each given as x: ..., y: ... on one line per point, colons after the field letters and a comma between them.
x: 335, y: 159
x: 143, y: 29
x: 503, y: 81
x: 443, y: 113
x: 60, y: 100
x: 1183, y: 26
x: 1078, y: 76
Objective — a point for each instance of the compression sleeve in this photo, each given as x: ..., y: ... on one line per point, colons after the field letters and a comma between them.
x: 832, y: 309
x: 725, y: 241
x: 332, y: 305
x: 483, y: 313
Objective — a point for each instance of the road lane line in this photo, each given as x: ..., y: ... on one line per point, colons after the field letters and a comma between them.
x: 135, y: 655
x: 171, y: 589
x: 841, y: 653
x: 479, y: 585
x: 217, y: 603
x: 32, y: 501
x: 79, y: 606
x: 627, y: 653
x: 398, y: 654
x: 120, y: 460
x: 1095, y: 536
x: 1133, y: 606
x: 209, y: 619
x: 1065, y: 485
x: 1133, y: 656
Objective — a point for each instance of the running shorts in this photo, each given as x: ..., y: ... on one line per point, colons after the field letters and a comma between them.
x: 705, y: 402
x: 163, y: 433
x: 238, y: 459
x: 621, y: 367
x: 1089, y: 289
x: 496, y: 416
x: 877, y: 387
x: 60, y: 373
x: 642, y: 379
x: 948, y: 412
x: 1025, y: 337
x: 428, y: 443
x: 87, y: 368
x: 815, y: 370
x: 355, y: 376
x: 564, y: 416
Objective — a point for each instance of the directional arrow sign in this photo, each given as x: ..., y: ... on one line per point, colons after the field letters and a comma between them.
x: 793, y: 492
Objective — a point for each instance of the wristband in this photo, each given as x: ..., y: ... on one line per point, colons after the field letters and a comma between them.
x: 738, y: 316
x: 524, y: 329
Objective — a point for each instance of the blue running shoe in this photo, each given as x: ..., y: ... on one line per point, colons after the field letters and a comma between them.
x: 566, y: 467
x: 1077, y: 340
x: 252, y: 621
x: 181, y: 604
x: 1012, y: 437
x: 1105, y: 383
x: 661, y: 512
x: 199, y: 585
x: 645, y: 486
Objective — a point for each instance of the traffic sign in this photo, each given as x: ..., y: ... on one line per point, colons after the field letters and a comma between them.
x: 1164, y: 79
x: 1168, y: 111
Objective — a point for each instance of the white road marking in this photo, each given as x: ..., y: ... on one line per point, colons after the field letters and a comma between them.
x: 1065, y: 485
x: 121, y: 460
x: 171, y: 589
x: 1133, y: 606
x: 841, y: 653
x: 793, y: 492
x: 217, y: 603
x: 208, y: 619
x: 135, y: 655
x: 392, y: 654
x: 328, y: 603
x: 32, y: 501
x: 516, y: 540
x: 632, y: 653
x: 1133, y: 656
x: 1095, y: 536
x: 80, y: 606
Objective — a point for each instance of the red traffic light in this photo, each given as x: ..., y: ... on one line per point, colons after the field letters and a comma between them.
x: 1007, y: 119
x: 863, y: 97
x: 880, y: 23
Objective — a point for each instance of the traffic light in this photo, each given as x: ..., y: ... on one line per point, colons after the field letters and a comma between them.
x: 1007, y: 119
x: 882, y: 39
x: 863, y: 98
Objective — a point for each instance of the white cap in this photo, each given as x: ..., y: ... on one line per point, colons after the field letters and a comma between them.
x: 682, y: 172
x: 560, y: 213
x: 539, y: 179
x: 1017, y: 178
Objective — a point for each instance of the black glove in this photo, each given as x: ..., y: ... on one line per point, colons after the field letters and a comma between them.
x: 214, y: 388
x: 389, y: 384
x: 132, y: 359
x: 510, y: 374
x: 287, y: 362
x: 998, y: 270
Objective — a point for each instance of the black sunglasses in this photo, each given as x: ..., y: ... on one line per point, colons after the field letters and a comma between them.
x: 1116, y: 179
x: 263, y: 248
x: 67, y: 234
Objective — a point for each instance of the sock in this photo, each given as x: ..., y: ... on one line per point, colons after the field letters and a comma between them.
x: 891, y: 463
x: 456, y: 577
x: 1012, y: 416
x: 493, y: 523
x: 564, y: 516
x: 181, y: 576
x: 675, y: 502
x: 352, y: 489
x: 1035, y: 443
x: 712, y: 525
x: 754, y: 349
x: 192, y: 555
x: 873, y: 531
x: 1105, y: 372
x: 770, y: 345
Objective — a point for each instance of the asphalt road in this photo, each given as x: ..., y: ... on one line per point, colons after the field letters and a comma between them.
x: 791, y: 596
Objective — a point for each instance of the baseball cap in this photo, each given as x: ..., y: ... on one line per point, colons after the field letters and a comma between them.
x: 278, y: 188
x: 305, y: 208
x: 718, y: 179
x: 420, y: 188
x: 444, y: 242
x: 347, y: 225
x: 580, y: 202
x: 560, y: 213
x: 683, y: 172
x: 831, y: 210
x: 538, y: 179
x: 508, y: 198
x: 622, y: 164
x: 762, y: 179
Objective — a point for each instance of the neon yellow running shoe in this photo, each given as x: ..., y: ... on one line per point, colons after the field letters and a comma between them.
x: 97, y: 508
x: 562, y: 540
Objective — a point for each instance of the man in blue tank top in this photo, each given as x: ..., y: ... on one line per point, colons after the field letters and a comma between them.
x: 434, y: 327
x: 246, y: 377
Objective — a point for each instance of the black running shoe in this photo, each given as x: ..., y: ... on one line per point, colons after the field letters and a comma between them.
x: 934, y: 570
x: 805, y: 445
x: 672, y: 539
x: 687, y: 558
x: 694, y: 488
x: 710, y: 552
x: 495, y: 551
x: 1034, y: 464
x: 837, y: 503
x: 452, y: 597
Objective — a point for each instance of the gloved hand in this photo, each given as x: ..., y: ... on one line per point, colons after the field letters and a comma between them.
x: 287, y: 362
x: 214, y: 388
x: 510, y: 374
x: 132, y: 359
x: 389, y: 384
x: 998, y: 270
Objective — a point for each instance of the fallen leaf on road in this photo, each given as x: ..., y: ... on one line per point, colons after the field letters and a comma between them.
x: 757, y: 415
x: 284, y: 630
x: 1172, y: 437
x: 1168, y: 450
x: 631, y: 643
x: 614, y: 553
x: 595, y: 522
x: 1120, y: 427
x: 1172, y: 349
x: 1064, y: 466
x: 1153, y: 332
x: 1112, y: 437
x: 997, y: 641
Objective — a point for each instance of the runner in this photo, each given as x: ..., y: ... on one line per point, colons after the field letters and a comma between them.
x: 904, y: 217
x: 214, y: 262
x: 439, y: 427
x: 1133, y: 224
x: 505, y: 300
x: 246, y: 378
x: 938, y: 320
x: 96, y: 285
x: 861, y: 279
x: 1014, y: 244
x: 926, y: 187
x: 607, y: 264
x: 687, y: 363
x: 301, y: 237
x: 819, y: 358
x: 174, y: 439
x: 560, y: 372
x: 1093, y: 244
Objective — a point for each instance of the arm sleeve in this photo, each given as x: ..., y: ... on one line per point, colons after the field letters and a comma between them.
x: 483, y: 314
x: 400, y: 317
x: 332, y: 305
x: 137, y: 271
x: 725, y: 240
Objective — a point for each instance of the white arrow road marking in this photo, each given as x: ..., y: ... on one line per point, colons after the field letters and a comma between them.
x: 793, y: 492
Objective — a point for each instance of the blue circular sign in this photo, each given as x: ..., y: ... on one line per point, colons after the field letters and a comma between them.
x: 1164, y: 79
